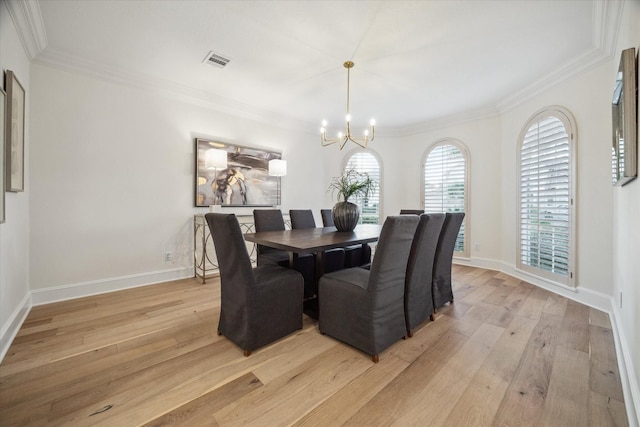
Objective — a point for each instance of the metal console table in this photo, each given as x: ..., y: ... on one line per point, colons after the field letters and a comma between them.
x: 204, y: 260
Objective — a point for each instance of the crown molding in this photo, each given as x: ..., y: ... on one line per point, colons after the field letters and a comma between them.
x: 27, y: 19
x: 442, y: 122
x: 607, y: 16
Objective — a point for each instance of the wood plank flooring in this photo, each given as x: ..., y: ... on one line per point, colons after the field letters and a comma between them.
x: 505, y: 353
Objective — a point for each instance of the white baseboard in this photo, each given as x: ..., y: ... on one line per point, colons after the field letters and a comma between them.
x: 13, y: 325
x: 630, y: 387
x: 95, y: 287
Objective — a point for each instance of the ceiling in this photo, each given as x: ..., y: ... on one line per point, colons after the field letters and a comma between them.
x: 415, y: 61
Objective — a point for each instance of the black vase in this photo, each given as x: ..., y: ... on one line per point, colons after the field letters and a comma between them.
x: 345, y: 216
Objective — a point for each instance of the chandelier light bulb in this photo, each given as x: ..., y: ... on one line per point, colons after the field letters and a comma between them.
x: 322, y: 130
x: 324, y: 123
x: 339, y: 134
x: 373, y: 122
x: 348, y: 117
x: 366, y: 132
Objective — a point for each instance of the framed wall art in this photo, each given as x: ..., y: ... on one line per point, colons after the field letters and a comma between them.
x: 234, y: 175
x: 3, y: 110
x: 624, y: 151
x: 14, y: 161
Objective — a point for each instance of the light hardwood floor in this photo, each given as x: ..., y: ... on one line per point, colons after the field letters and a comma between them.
x: 505, y: 353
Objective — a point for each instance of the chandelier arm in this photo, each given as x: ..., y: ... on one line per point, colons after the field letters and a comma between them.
x: 362, y: 142
x: 344, y: 141
x: 326, y: 142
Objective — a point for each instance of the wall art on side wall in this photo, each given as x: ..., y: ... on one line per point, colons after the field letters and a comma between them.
x: 624, y: 152
x: 14, y: 153
x: 243, y: 181
x: 3, y: 110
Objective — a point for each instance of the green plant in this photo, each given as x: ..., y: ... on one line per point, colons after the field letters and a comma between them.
x: 352, y: 184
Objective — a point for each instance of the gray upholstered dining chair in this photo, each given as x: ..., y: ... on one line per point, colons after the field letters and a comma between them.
x: 355, y: 255
x: 365, y: 308
x: 418, y: 297
x: 442, y: 289
x: 333, y: 258
x: 411, y: 211
x: 269, y: 220
x: 272, y: 220
x: 258, y: 305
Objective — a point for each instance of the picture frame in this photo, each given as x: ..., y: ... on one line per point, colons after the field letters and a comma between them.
x: 14, y: 133
x: 624, y: 150
x: 243, y: 182
x: 3, y: 110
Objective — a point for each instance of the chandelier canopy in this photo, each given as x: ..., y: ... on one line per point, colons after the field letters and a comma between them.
x: 343, y: 138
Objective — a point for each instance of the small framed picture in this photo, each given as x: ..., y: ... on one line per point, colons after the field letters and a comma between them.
x: 14, y: 123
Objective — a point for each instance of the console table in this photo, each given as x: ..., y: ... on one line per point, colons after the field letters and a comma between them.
x: 205, y: 263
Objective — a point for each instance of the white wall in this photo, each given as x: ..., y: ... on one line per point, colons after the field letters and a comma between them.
x: 626, y: 231
x: 113, y: 177
x: 14, y: 233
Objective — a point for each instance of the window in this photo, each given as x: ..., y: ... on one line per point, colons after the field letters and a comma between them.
x: 545, y: 200
x: 365, y: 162
x: 445, y: 184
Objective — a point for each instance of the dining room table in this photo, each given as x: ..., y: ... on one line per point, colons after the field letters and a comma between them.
x: 315, y: 241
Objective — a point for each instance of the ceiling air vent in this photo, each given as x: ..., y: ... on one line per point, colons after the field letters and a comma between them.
x: 215, y: 59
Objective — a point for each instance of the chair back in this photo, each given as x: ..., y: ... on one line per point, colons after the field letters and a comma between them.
x: 327, y: 217
x: 302, y: 218
x: 236, y: 273
x: 411, y: 211
x: 267, y: 220
x: 444, y: 256
x: 418, y: 300
x: 389, y: 266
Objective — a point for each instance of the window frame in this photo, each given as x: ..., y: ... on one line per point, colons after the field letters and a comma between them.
x: 467, y: 171
x: 569, y: 123
x: 345, y: 162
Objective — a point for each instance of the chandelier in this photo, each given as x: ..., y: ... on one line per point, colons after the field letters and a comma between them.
x: 344, y: 138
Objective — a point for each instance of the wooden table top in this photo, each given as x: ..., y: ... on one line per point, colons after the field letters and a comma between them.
x: 312, y: 240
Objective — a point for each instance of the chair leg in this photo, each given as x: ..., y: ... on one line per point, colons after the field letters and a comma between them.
x: 375, y: 358
x: 247, y: 353
x: 434, y: 316
x: 409, y: 333
x: 219, y: 333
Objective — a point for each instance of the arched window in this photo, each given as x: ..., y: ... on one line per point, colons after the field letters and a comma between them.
x: 365, y: 162
x: 546, y: 176
x: 446, y: 168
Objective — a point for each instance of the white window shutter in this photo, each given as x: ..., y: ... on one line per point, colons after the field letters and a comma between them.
x: 545, y: 210
x: 364, y: 162
x: 444, y: 184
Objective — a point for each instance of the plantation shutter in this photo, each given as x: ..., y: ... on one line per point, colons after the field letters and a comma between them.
x: 444, y: 184
x: 545, y: 197
x: 369, y: 208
